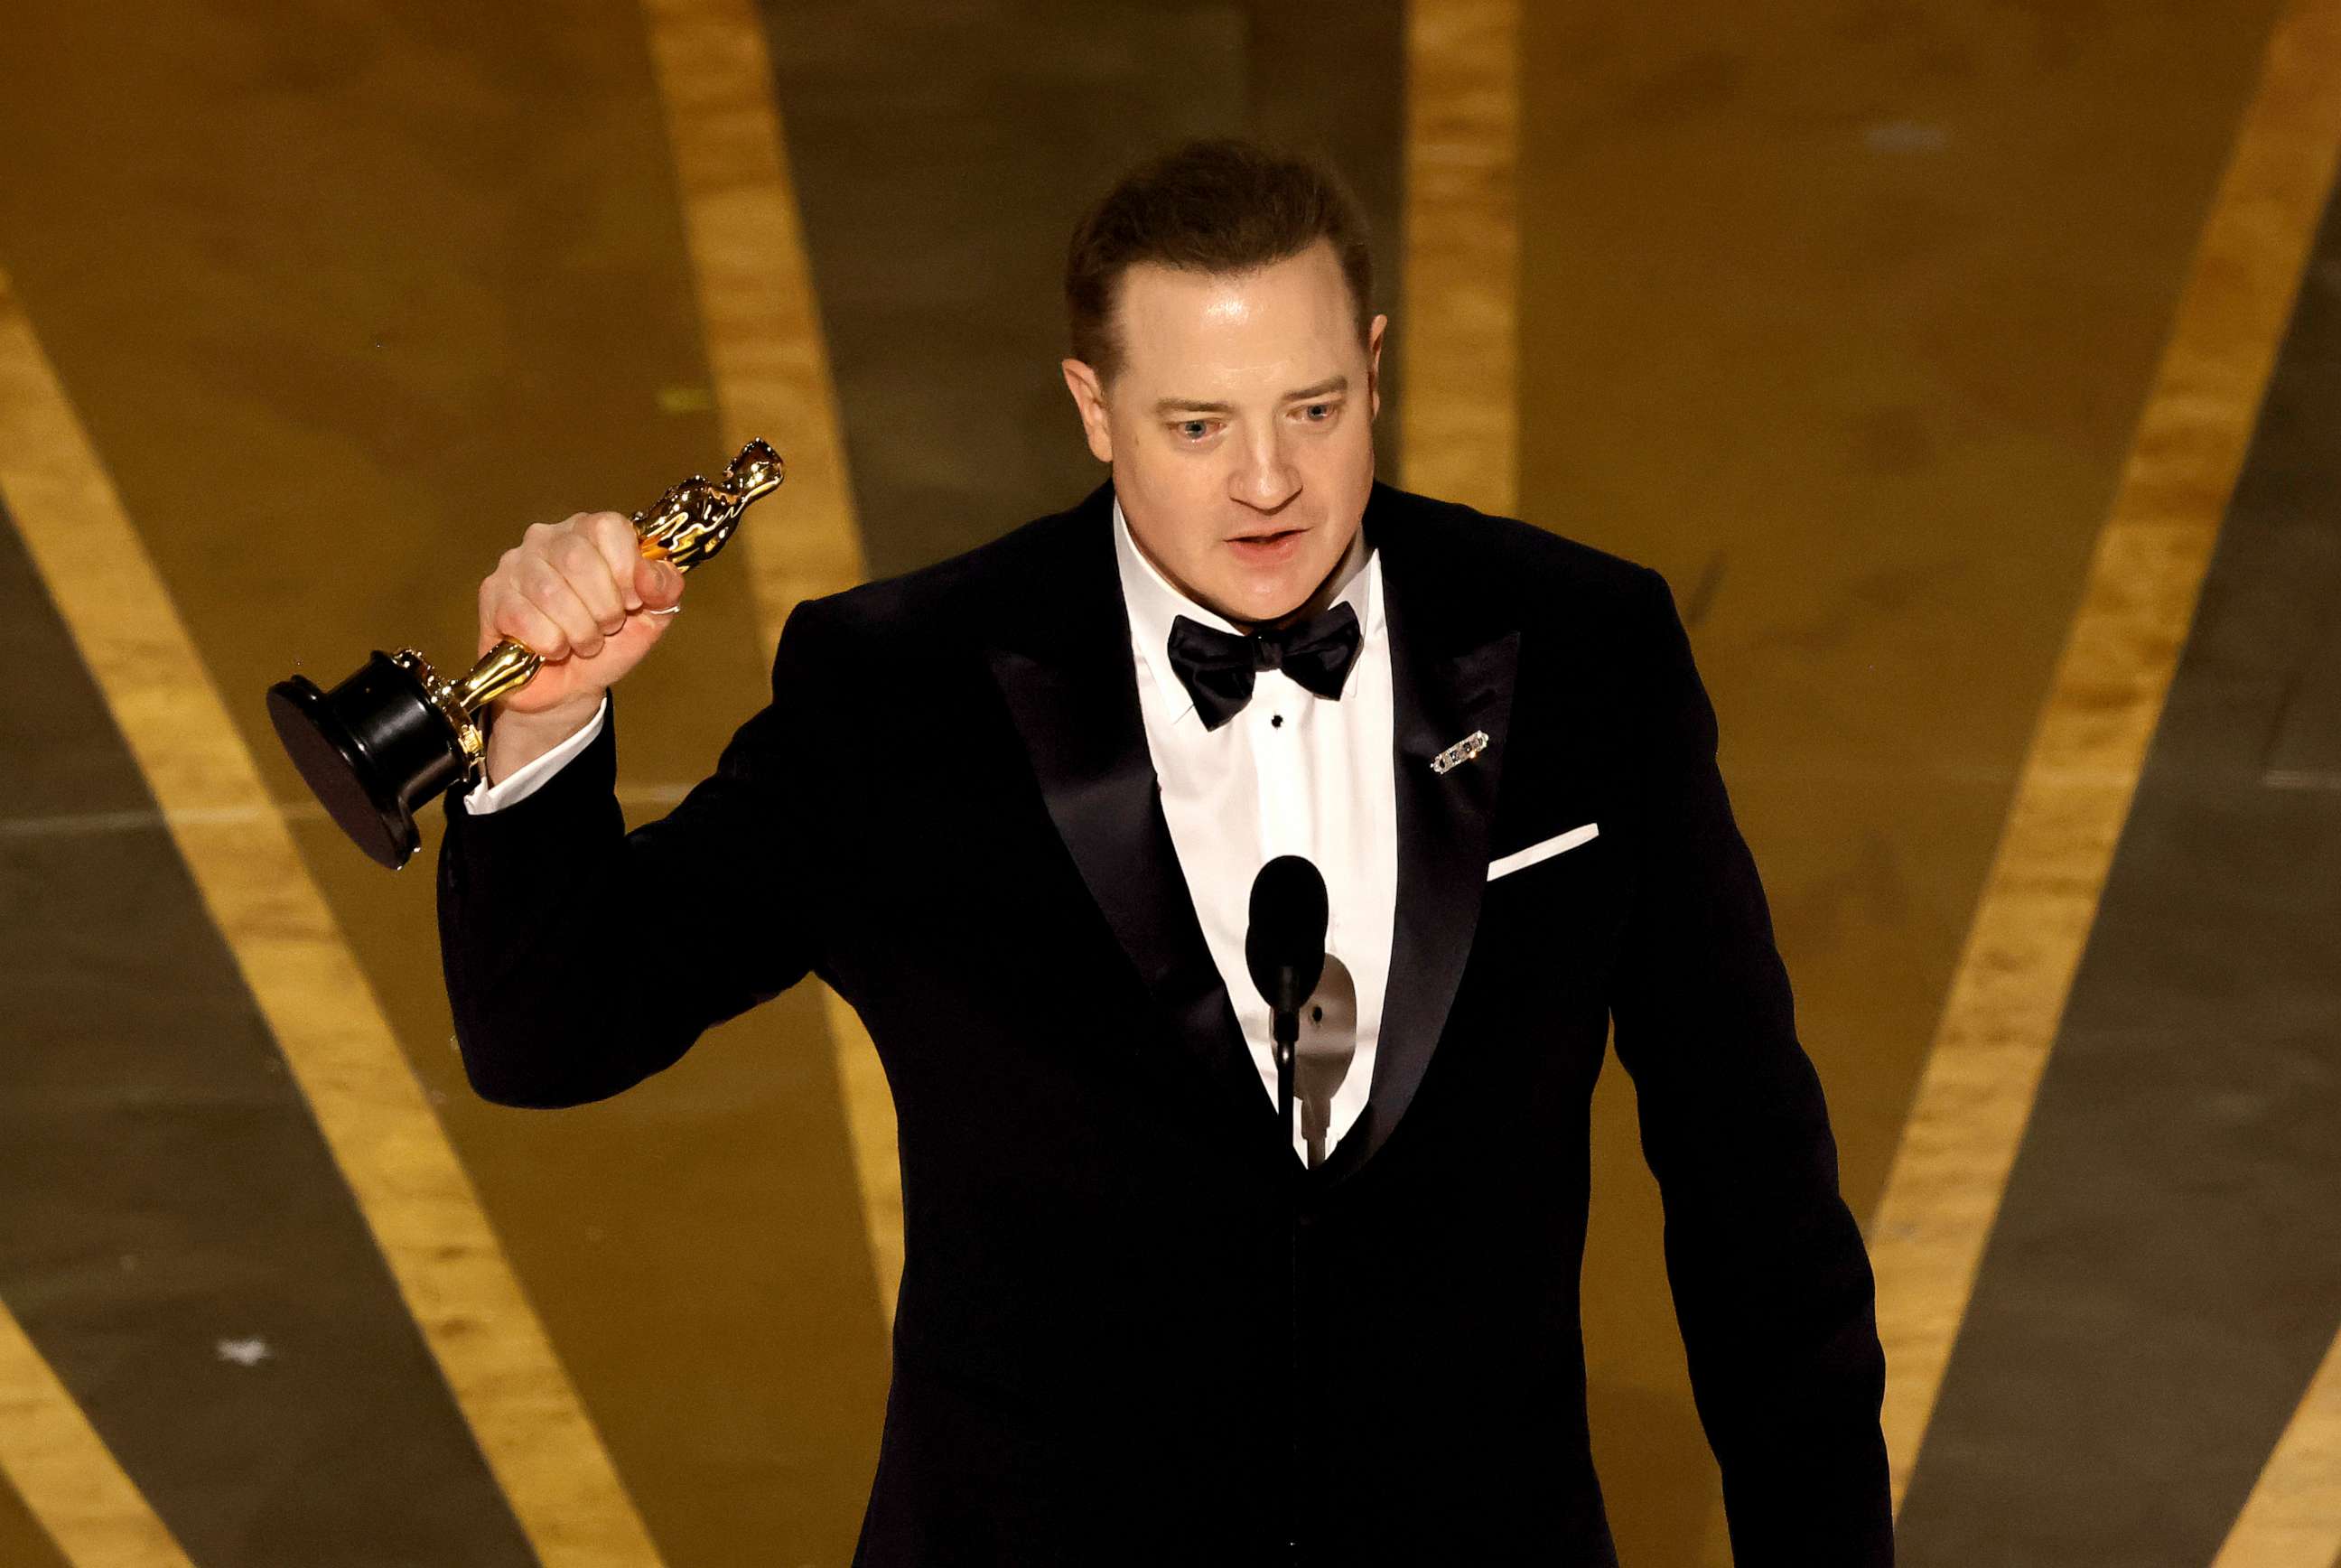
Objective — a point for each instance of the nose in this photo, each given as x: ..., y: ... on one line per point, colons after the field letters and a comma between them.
x: 1265, y: 478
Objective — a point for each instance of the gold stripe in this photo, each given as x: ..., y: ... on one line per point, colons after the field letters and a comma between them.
x: 770, y: 363
x: 1458, y: 325
x: 2293, y: 1517
x: 66, y: 1474
x: 407, y: 1178
x: 2015, y: 972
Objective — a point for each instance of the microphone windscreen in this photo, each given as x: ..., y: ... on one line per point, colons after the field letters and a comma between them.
x: 1285, y: 946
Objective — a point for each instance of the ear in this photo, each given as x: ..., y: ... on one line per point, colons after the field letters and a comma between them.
x: 1374, y: 367
x: 1089, y: 397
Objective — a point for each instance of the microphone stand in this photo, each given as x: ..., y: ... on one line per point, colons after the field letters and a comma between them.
x: 1285, y: 1030
x: 1284, y: 948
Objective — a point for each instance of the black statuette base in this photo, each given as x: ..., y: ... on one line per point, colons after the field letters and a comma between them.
x: 373, y: 750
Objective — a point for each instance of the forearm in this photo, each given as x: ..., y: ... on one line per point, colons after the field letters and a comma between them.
x: 1772, y: 1284
x: 542, y: 1017
x: 1776, y: 1300
x: 581, y: 958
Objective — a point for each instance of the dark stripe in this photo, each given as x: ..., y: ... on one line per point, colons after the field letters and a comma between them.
x: 167, y: 1200
x: 942, y: 157
x: 23, y: 1542
x: 2166, y: 1270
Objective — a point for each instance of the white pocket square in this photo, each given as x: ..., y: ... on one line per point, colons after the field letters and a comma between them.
x: 1544, y: 851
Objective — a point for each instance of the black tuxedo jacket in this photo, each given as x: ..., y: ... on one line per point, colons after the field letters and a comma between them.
x: 1131, y: 1327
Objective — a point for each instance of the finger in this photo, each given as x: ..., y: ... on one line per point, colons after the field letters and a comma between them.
x: 512, y: 615
x: 613, y: 534
x: 582, y: 565
x: 505, y: 611
x: 658, y: 584
x: 641, y: 629
x: 549, y: 591
x: 493, y: 588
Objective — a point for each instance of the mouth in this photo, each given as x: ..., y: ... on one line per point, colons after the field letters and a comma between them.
x: 1268, y: 547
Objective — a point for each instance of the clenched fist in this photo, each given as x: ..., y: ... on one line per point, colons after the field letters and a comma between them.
x: 580, y: 595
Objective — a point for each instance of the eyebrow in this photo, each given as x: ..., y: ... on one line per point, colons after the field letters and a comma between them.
x: 1182, y: 405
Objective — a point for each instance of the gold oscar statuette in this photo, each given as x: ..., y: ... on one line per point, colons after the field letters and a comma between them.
x: 396, y: 734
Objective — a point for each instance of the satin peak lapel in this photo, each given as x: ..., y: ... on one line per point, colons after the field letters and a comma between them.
x: 1451, y: 683
x: 1072, y: 691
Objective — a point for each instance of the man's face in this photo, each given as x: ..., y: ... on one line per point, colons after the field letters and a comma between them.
x: 1239, y: 427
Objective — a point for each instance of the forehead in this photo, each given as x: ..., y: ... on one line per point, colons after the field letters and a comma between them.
x: 1228, y: 327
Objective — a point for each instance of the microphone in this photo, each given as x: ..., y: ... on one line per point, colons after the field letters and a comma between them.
x: 1284, y: 948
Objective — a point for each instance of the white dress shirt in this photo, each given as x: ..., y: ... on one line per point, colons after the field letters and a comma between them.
x: 1292, y: 773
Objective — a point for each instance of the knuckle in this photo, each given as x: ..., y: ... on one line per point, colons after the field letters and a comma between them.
x: 529, y: 629
x: 616, y: 537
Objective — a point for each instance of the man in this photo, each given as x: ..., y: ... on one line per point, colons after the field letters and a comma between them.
x: 1136, y: 1325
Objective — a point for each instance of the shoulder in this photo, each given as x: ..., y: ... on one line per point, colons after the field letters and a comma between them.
x: 961, y: 598
x: 1512, y: 570
x: 1597, y: 633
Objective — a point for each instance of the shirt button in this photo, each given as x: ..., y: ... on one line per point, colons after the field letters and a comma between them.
x: 1276, y: 721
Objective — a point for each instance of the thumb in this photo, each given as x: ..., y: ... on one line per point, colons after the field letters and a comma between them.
x: 658, y: 584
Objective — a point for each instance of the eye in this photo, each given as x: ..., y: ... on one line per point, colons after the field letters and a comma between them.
x: 1318, y: 413
x: 1193, y: 430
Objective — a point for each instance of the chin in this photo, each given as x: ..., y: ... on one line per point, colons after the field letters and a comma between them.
x: 1263, y: 592
x: 1267, y: 602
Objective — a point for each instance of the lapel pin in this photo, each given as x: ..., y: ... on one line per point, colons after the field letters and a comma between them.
x: 1461, y: 751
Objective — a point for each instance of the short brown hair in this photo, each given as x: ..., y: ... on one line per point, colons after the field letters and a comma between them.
x: 1216, y: 205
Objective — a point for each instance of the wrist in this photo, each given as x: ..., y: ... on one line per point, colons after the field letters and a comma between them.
x: 515, y: 739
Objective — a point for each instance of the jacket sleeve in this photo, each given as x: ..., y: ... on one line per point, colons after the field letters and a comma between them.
x: 1772, y: 1286
x: 581, y: 958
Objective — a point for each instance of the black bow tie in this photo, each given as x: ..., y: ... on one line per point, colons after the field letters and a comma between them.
x: 1217, y: 667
